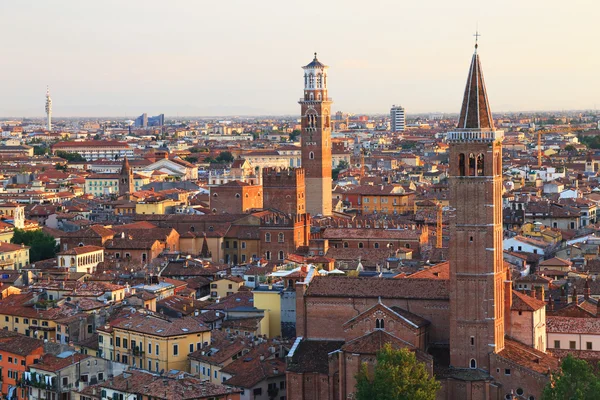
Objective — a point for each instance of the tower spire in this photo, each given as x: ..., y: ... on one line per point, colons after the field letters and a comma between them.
x: 475, y: 112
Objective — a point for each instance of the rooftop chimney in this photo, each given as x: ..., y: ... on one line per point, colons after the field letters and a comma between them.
x: 586, y: 290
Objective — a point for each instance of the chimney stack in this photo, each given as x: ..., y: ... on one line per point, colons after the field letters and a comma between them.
x: 575, y: 298
x: 586, y: 290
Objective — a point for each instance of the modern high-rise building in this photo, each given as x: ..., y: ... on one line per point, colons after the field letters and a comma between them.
x: 397, y: 119
x: 48, y: 110
x: 316, y: 138
x: 143, y: 121
x: 477, y: 272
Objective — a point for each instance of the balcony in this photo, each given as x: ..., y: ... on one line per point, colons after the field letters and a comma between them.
x: 475, y: 135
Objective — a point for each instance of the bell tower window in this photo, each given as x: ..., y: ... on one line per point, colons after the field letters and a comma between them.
x: 461, y: 164
x: 480, y: 165
x: 471, y: 165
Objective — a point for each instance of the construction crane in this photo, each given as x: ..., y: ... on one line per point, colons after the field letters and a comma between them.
x: 438, y: 227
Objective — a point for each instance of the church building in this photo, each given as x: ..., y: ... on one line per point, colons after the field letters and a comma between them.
x: 462, y: 319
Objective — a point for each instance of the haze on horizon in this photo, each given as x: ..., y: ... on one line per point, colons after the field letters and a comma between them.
x: 123, y: 58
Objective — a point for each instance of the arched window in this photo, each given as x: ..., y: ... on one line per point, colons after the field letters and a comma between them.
x: 280, y: 237
x: 376, y: 245
x: 281, y: 255
x: 319, y: 80
x: 319, y: 96
x: 268, y: 255
x: 520, y: 391
x: 237, y: 196
x: 192, y: 229
x: 311, y: 81
x: 377, y: 323
x: 305, y: 80
x: 473, y: 363
x: 480, y: 163
x: 471, y: 165
x: 345, y: 244
x: 267, y: 237
x: 311, y: 155
x: 215, y: 195
x: 407, y: 245
x: 461, y: 164
x: 312, y: 96
x: 360, y: 245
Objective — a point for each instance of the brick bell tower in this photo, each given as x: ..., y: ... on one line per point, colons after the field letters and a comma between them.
x: 316, y: 138
x: 126, y: 184
x: 477, y: 270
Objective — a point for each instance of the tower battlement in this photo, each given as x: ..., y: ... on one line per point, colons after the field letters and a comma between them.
x: 285, y: 220
x: 277, y: 177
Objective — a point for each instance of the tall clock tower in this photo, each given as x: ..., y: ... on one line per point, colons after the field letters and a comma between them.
x: 316, y: 138
x: 477, y: 271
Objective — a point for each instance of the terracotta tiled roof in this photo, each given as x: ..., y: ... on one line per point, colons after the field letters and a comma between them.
x: 333, y: 286
x: 523, y: 302
x: 239, y: 299
x: 589, y: 326
x: 528, y: 357
x: 555, y: 262
x: 221, y: 349
x: 312, y: 356
x: 438, y: 271
x: 366, y: 233
x: 52, y: 363
x: 161, y: 327
x: 243, y: 324
x: 81, y: 250
x: 15, y: 343
x: 250, y: 370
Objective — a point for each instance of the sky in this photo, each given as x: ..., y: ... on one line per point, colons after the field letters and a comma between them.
x: 241, y: 57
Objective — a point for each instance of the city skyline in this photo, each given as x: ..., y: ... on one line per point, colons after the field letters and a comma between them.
x: 128, y: 59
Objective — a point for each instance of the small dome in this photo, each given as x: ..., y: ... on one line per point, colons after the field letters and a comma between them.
x: 315, y: 63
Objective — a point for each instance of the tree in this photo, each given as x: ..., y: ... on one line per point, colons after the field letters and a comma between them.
x: 342, y: 165
x: 575, y: 380
x: 295, y: 134
x: 71, y: 157
x: 43, y: 246
x: 570, y: 147
x: 40, y: 150
x: 397, y: 376
x: 191, y: 159
x: 225, y: 157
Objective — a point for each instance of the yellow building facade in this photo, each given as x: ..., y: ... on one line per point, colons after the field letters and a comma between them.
x: 225, y: 287
x: 153, y: 343
x: 269, y: 300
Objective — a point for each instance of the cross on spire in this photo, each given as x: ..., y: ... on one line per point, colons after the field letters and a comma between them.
x: 477, y: 34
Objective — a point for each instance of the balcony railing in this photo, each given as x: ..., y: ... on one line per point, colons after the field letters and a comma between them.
x: 475, y: 135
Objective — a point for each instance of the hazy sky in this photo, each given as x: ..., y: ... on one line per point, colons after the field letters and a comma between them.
x: 201, y: 57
